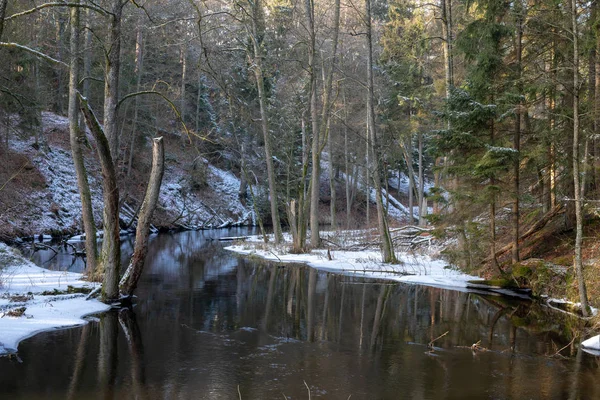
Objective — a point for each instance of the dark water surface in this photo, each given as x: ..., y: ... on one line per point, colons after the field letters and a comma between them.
x: 207, y: 323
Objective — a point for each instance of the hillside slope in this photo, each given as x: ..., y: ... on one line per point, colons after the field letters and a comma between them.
x: 40, y: 188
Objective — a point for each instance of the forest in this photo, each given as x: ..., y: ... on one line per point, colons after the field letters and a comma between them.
x: 477, y: 119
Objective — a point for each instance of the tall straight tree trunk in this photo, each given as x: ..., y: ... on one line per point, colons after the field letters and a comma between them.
x: 146, y: 212
x: 327, y: 103
x: 347, y: 163
x: 260, y: 84
x: 111, y: 245
x: 596, y: 108
x: 411, y: 179
x: 422, y: 200
x: 315, y: 238
x: 184, y: 50
x: 577, y: 191
x: 87, y: 62
x: 387, y: 246
x: 446, y: 19
x: 111, y: 79
x: 517, y: 135
x: 61, y: 27
x: 332, y: 191
x: 3, y: 4
x: 76, y: 138
x: 367, y: 172
x: 139, y: 66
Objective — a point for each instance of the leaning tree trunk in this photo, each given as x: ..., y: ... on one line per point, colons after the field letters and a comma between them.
x: 134, y: 271
x: 577, y: 192
x: 77, y: 137
x: 111, y: 248
x: 387, y: 246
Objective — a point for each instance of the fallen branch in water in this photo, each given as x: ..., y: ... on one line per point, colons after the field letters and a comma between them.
x: 569, y: 344
x: 430, y: 345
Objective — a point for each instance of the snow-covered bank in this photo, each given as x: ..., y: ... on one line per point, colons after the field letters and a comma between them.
x: 592, y: 345
x: 33, y: 299
x: 413, y: 268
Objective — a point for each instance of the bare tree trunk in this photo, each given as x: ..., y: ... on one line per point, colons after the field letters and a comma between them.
x: 446, y: 19
x: 61, y: 26
x: 517, y: 135
x: 258, y: 73
x: 315, y: 239
x: 596, y: 108
x: 411, y: 179
x: 347, y: 163
x: 422, y: 200
x: 76, y: 135
x: 332, y: 191
x: 3, y: 4
x: 367, y: 170
x: 111, y: 245
x: 143, y: 227
x: 386, y: 240
x: 577, y: 191
x: 198, y: 100
x: 139, y: 65
x: 184, y: 51
x: 87, y: 63
x: 326, y: 116
x: 111, y: 81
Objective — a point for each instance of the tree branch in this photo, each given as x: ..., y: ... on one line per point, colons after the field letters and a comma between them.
x: 35, y: 52
x: 57, y: 4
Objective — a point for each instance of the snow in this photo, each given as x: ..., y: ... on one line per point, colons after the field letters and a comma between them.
x: 22, y: 284
x: 222, y: 208
x: 412, y: 268
x: 55, y: 204
x: 592, y: 345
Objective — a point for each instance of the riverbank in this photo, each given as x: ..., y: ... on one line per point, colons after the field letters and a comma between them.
x: 34, y: 299
x: 416, y: 267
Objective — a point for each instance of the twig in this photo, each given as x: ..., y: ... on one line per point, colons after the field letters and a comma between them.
x: 570, y: 343
x: 307, y: 388
x: 239, y: 393
x: 430, y: 345
x: 271, y: 251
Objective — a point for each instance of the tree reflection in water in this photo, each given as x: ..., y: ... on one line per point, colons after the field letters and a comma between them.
x: 211, y: 321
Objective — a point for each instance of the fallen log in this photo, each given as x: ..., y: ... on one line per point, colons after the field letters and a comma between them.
x: 541, y: 223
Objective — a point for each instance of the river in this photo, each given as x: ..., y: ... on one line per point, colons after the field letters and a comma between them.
x: 209, y: 324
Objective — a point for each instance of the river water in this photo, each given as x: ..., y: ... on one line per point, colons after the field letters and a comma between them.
x: 211, y: 325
